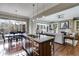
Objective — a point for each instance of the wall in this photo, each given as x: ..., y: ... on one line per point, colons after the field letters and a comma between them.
x: 69, y: 14
x: 32, y: 26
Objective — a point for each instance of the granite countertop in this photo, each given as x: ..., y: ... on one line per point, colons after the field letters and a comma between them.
x: 42, y: 39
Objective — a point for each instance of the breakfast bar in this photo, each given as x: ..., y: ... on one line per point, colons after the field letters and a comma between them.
x: 42, y: 45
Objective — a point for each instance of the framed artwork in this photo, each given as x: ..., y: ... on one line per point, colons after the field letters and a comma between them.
x: 64, y: 25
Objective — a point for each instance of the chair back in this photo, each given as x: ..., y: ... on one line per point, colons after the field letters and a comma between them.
x: 3, y: 36
x: 12, y: 32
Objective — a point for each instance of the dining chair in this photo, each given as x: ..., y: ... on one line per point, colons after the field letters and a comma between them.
x: 4, y: 39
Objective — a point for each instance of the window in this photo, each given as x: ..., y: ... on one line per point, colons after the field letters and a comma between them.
x: 77, y: 25
x: 42, y: 27
x: 64, y: 25
x: 54, y: 27
x: 11, y: 25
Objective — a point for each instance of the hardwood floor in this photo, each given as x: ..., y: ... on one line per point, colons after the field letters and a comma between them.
x: 61, y: 50
x: 68, y: 50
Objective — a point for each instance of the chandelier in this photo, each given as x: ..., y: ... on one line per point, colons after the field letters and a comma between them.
x: 33, y: 13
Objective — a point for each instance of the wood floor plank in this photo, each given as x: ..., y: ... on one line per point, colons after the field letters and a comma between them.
x: 68, y: 50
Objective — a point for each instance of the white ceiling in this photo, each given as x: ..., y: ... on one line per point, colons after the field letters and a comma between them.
x: 67, y: 15
x: 25, y: 9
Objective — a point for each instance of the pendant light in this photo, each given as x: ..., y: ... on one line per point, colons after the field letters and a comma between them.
x: 33, y: 13
x: 37, y: 12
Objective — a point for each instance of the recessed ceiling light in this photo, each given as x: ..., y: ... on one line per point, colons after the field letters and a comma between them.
x: 33, y: 20
x: 37, y: 18
x: 43, y: 16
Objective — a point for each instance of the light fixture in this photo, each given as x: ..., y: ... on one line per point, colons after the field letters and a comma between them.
x: 37, y: 12
x: 33, y: 13
x: 43, y: 7
x: 43, y: 16
x: 16, y: 14
x: 60, y: 16
x: 37, y: 18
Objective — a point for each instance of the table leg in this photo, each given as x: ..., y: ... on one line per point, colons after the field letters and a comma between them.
x: 53, y: 49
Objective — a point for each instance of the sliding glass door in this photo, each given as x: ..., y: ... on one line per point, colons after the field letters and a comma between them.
x: 7, y: 26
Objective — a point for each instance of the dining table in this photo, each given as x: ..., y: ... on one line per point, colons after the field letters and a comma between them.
x: 17, y: 38
x: 15, y: 35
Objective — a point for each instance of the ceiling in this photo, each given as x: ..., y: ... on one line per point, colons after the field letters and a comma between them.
x: 25, y: 10
x: 67, y: 14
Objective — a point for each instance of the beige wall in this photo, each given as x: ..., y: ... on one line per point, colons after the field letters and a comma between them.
x: 32, y: 27
x: 71, y: 25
